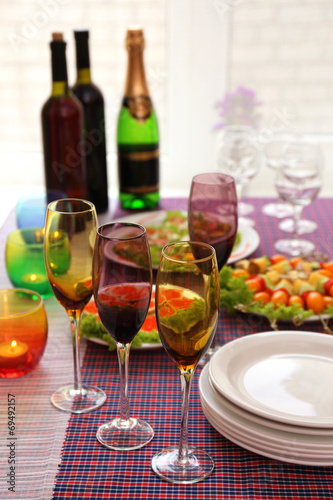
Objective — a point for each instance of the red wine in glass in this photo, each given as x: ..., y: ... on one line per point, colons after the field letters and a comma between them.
x: 122, y: 282
x: 212, y: 213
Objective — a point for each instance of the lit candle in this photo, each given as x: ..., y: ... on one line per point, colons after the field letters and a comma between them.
x: 13, y: 354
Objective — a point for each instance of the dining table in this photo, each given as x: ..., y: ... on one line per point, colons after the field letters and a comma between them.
x: 57, y: 455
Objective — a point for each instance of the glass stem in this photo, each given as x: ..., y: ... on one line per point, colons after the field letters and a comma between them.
x: 186, y: 380
x: 74, y: 317
x: 297, y: 217
x: 123, y: 355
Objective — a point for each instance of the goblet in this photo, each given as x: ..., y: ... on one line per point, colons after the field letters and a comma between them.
x: 239, y: 158
x: 298, y: 183
x: 122, y: 281
x: 187, y: 304
x: 301, y: 152
x: 212, y: 218
x: 70, y: 232
x: 273, y: 158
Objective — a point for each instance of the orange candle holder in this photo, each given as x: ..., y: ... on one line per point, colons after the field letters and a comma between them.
x: 23, y: 331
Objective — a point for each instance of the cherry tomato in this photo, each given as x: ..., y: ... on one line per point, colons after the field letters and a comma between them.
x: 263, y: 297
x: 257, y: 284
x: 331, y: 291
x: 328, y: 265
x: 240, y: 272
x: 294, y: 261
x: 296, y: 299
x: 315, y: 301
x: 280, y: 297
x: 327, y: 285
x: 328, y: 300
x: 277, y: 258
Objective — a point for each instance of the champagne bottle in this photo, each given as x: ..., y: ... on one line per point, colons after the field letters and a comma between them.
x: 92, y: 101
x: 137, y: 134
x: 62, y: 129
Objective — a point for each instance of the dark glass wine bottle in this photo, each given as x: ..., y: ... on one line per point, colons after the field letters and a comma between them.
x: 62, y: 129
x: 94, y: 125
x: 137, y: 134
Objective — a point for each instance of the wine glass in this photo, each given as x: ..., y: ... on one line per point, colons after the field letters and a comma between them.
x: 187, y: 304
x: 298, y: 183
x: 212, y: 218
x: 122, y: 281
x: 238, y: 157
x: 273, y: 158
x: 70, y: 232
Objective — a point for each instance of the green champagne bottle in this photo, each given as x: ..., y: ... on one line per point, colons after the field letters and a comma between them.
x: 137, y: 134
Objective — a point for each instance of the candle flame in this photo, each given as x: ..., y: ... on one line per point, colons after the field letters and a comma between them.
x: 13, y: 344
x: 33, y: 277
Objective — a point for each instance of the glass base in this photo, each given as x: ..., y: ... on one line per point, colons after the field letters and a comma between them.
x: 304, y: 226
x: 279, y: 210
x: 71, y: 400
x: 166, y: 465
x: 145, y: 201
x: 294, y: 247
x: 124, y: 435
x: 245, y: 208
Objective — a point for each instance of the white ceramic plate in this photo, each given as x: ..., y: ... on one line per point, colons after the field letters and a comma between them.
x: 249, y: 238
x: 288, y: 447
x: 284, y: 376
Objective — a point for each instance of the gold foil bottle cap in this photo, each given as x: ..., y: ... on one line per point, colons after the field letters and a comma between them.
x: 134, y: 37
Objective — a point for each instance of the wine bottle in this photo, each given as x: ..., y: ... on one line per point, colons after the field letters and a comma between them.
x: 137, y: 134
x: 92, y: 101
x: 62, y: 129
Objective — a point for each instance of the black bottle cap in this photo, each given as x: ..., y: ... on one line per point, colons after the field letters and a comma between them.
x: 82, y: 49
x: 58, y: 52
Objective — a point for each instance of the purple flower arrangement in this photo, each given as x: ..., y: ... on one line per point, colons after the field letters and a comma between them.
x: 239, y: 107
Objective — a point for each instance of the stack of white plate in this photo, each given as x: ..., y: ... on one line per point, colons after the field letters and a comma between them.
x: 272, y: 393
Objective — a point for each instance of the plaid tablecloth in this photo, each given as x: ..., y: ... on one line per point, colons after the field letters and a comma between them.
x: 88, y: 470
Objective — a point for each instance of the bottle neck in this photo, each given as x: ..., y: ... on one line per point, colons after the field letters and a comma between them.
x: 59, y: 89
x: 83, y: 75
x: 59, y: 68
x: 136, y: 84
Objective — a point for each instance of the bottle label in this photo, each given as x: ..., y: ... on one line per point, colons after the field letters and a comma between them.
x: 140, y: 107
x: 138, y: 171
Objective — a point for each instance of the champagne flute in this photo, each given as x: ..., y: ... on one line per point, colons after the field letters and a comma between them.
x: 70, y: 232
x: 212, y: 218
x: 187, y: 304
x: 298, y: 183
x: 122, y: 281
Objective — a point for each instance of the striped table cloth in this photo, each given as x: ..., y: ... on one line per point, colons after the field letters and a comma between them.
x: 88, y: 470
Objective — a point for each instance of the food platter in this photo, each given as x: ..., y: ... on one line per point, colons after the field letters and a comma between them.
x: 166, y: 226
x: 289, y: 290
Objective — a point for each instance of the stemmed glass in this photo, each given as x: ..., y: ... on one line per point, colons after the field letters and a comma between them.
x: 212, y: 217
x: 187, y: 304
x: 273, y: 158
x: 298, y: 183
x: 239, y: 158
x: 122, y: 281
x: 70, y: 232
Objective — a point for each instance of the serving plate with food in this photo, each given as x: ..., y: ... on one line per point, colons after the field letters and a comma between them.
x: 281, y: 289
x: 166, y: 226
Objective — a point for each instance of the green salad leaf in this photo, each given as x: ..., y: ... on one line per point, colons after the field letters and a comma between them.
x: 90, y: 328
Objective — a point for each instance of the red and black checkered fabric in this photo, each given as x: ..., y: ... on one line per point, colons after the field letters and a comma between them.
x: 88, y: 470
